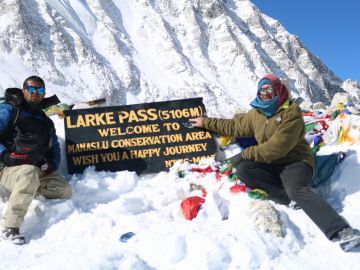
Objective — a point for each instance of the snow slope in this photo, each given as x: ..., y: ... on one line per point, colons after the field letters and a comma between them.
x: 152, y: 50
x: 84, y: 232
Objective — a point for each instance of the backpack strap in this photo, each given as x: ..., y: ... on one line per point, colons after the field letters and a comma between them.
x: 14, y: 118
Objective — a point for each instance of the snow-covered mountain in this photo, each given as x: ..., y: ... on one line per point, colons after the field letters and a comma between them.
x: 131, y: 51
x: 145, y: 50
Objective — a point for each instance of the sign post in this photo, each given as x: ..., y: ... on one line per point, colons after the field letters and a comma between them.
x: 145, y: 138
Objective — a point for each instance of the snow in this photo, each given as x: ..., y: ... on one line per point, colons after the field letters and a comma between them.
x: 84, y: 232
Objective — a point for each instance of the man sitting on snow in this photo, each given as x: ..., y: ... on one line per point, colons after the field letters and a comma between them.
x: 281, y: 163
x: 30, y: 155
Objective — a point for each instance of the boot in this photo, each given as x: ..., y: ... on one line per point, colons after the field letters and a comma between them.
x: 348, y: 238
x: 294, y: 206
x: 12, y: 235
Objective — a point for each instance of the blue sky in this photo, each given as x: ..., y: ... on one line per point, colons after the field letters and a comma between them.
x: 329, y: 29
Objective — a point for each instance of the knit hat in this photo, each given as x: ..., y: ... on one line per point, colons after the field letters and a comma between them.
x: 262, y: 82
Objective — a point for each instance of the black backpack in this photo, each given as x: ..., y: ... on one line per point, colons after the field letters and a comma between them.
x: 14, y: 97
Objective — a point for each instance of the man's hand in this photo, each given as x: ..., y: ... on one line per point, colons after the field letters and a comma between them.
x: 14, y: 159
x: 197, y: 122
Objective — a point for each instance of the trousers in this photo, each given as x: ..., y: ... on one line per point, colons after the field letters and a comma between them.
x: 292, y: 182
x: 24, y: 182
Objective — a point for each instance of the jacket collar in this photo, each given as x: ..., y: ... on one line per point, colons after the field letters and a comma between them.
x: 284, y: 106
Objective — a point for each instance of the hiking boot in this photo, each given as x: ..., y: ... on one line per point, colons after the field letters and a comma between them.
x: 341, y: 156
x: 348, y: 239
x: 294, y: 206
x: 12, y: 235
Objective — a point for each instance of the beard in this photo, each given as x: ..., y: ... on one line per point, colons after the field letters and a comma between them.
x: 33, y: 105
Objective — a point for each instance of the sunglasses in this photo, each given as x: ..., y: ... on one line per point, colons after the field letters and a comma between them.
x: 268, y: 89
x: 39, y: 90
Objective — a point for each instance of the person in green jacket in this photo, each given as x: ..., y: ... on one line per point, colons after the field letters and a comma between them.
x: 281, y: 163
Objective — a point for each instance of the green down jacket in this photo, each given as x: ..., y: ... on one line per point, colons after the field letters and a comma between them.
x: 280, y: 137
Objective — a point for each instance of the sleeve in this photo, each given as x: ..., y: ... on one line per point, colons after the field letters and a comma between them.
x: 288, y: 134
x: 239, y: 126
x: 55, y: 152
x: 5, y: 118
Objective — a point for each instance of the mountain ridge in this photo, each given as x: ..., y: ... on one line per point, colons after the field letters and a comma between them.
x: 153, y: 50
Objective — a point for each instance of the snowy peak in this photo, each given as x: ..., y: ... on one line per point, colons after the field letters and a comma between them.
x: 151, y: 50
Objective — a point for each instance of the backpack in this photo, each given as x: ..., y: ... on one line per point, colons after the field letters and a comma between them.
x: 14, y: 97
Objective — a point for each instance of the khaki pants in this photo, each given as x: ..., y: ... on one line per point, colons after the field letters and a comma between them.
x: 24, y: 182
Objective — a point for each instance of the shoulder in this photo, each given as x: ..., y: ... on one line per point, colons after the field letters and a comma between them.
x: 250, y: 115
x: 294, y: 106
x: 292, y: 113
x: 239, y: 115
x: 5, y: 106
x: 294, y: 109
x: 254, y: 114
x: 5, y: 110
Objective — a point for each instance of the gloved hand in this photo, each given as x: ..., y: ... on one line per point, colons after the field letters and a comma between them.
x: 47, y: 168
x: 14, y: 159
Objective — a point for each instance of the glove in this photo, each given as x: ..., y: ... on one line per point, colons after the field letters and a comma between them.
x: 14, y: 159
x: 47, y: 168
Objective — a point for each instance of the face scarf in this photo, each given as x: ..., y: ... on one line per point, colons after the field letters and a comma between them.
x: 267, y: 108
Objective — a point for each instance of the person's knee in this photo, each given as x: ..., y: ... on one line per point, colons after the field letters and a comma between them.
x: 297, y: 192
x: 28, y: 175
x: 60, y: 191
x: 297, y: 179
x: 67, y: 192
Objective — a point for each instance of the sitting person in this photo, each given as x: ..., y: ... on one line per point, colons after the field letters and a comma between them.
x: 281, y: 163
x: 30, y: 156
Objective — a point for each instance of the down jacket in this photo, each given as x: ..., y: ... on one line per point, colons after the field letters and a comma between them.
x: 6, y: 112
x: 280, y: 137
